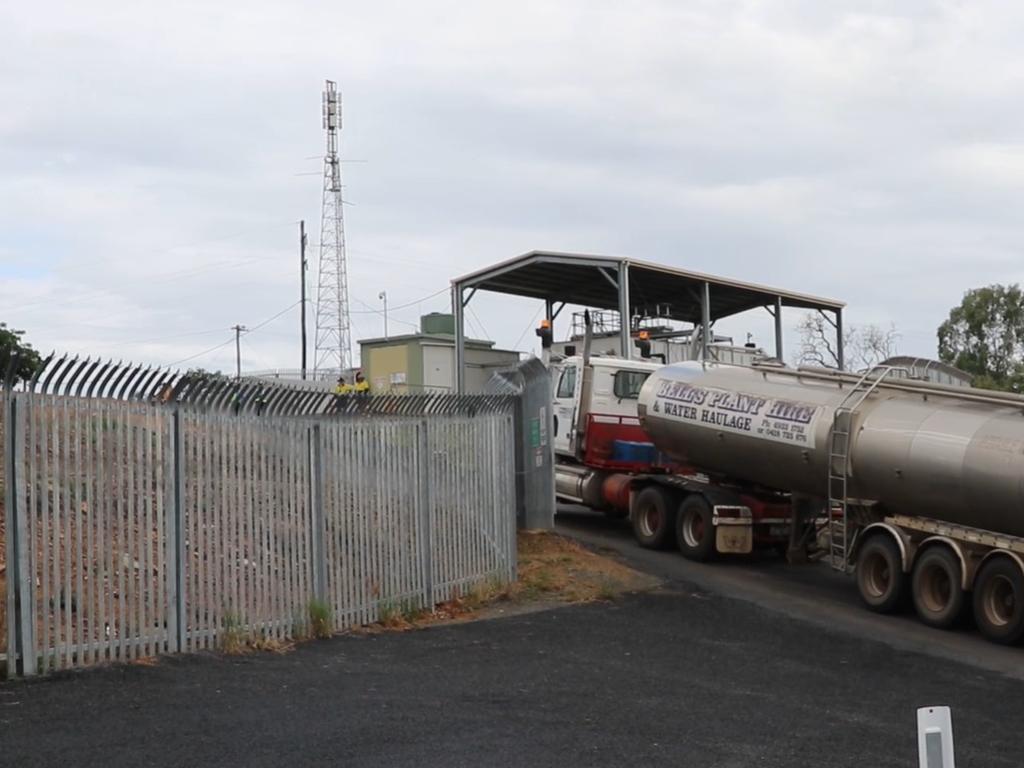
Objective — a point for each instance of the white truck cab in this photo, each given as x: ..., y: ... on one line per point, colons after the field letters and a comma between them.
x: 615, y: 387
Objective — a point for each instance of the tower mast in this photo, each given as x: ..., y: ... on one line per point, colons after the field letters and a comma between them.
x: 333, y: 341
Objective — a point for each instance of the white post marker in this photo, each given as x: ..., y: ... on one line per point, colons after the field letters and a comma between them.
x: 935, y: 737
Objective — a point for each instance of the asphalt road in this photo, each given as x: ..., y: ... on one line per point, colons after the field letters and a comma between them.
x: 684, y: 676
x: 813, y: 593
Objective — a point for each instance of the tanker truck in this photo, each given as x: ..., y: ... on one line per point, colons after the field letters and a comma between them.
x: 917, y: 488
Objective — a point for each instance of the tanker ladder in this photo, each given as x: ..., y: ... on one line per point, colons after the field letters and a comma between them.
x: 839, y: 543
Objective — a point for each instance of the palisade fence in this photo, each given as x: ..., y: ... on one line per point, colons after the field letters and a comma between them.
x: 135, y: 528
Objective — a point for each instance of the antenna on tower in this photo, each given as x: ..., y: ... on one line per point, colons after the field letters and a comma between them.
x: 333, y: 345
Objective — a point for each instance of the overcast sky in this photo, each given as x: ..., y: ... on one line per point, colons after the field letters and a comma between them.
x: 155, y: 158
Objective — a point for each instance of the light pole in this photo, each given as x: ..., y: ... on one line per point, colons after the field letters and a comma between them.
x: 383, y: 296
x: 238, y: 329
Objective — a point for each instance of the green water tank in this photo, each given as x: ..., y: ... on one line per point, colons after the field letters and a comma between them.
x: 438, y: 323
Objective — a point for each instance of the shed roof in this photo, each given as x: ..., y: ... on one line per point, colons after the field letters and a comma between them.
x: 589, y: 280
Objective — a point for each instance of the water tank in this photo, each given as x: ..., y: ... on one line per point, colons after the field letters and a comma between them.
x: 915, y: 448
x: 438, y: 324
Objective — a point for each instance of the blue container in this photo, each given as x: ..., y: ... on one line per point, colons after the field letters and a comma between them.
x: 633, y: 452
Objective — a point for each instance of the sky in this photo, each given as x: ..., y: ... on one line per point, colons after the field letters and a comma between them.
x: 155, y: 159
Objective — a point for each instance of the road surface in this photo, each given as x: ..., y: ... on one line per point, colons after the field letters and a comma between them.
x: 682, y: 676
x: 813, y: 593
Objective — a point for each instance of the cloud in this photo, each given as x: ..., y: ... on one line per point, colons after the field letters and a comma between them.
x: 154, y: 157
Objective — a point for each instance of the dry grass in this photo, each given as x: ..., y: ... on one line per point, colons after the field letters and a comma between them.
x: 552, y: 568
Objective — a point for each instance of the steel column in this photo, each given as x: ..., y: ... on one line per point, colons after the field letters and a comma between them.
x: 458, y: 310
x: 705, y: 321
x: 625, y: 314
x: 778, y: 328
x: 839, y: 339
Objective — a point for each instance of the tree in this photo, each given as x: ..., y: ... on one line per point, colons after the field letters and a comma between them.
x: 863, y: 346
x: 27, y: 360
x: 984, y: 336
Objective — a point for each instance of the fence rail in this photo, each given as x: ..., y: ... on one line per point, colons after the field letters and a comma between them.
x: 135, y: 528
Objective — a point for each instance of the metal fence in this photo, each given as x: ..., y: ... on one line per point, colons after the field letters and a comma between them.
x: 135, y: 529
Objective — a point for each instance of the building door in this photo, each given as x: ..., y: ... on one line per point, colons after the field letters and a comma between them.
x: 439, y: 368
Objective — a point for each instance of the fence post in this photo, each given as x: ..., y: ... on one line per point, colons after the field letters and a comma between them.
x: 316, y: 502
x: 425, y: 505
x: 177, y: 621
x: 21, y: 623
x: 9, y: 526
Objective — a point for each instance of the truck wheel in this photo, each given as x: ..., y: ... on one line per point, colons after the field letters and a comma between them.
x: 880, y: 576
x: 653, y: 518
x: 999, y: 601
x: 695, y: 532
x: 938, y: 595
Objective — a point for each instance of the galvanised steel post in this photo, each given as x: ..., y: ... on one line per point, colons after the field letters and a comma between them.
x: 177, y: 620
x: 21, y: 621
x: 316, y: 499
x: 425, y: 505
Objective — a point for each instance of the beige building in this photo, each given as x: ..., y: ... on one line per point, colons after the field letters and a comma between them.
x: 425, y: 361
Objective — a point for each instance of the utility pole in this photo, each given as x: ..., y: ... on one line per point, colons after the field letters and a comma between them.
x: 302, y: 280
x: 238, y: 329
x: 383, y: 296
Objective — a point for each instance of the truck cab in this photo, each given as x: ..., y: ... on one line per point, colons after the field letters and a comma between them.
x: 615, y: 387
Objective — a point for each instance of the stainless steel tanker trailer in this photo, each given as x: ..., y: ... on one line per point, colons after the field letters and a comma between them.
x: 918, y: 488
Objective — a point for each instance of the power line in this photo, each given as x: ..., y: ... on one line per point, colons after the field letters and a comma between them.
x: 161, y: 276
x: 400, y: 306
x: 174, y: 336
x: 199, y: 354
x: 381, y: 313
x: 479, y: 323
x: 272, y: 319
x: 528, y: 327
x: 269, y: 320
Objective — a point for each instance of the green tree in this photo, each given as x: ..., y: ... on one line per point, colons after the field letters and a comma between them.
x: 11, y: 345
x: 985, y: 337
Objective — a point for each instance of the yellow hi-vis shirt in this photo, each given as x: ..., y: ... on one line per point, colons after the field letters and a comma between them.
x: 362, y: 387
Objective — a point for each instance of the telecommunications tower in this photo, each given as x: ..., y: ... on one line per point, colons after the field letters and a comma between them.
x: 333, y: 347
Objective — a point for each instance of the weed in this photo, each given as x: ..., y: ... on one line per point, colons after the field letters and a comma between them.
x: 233, y: 639
x: 271, y: 645
x: 319, y: 619
x: 485, y: 592
x: 607, y: 590
x: 389, y: 613
x: 412, y: 612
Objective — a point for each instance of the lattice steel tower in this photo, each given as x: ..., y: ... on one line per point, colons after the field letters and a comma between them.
x: 333, y: 347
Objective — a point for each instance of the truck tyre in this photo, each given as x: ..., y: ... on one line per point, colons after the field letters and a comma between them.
x: 880, y: 578
x: 695, y: 531
x: 653, y: 518
x: 938, y: 595
x: 999, y: 601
